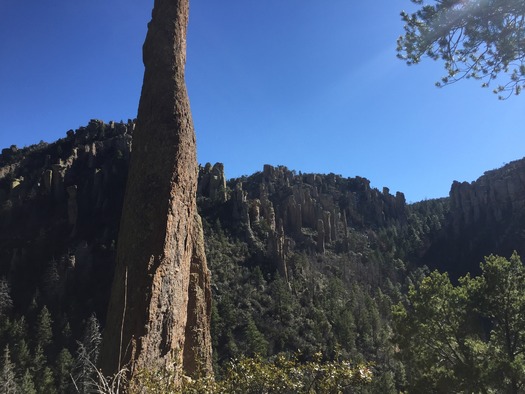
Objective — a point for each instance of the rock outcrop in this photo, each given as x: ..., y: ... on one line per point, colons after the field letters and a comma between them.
x: 60, y: 206
x: 212, y: 182
x: 486, y: 216
x: 161, y: 270
x: 498, y: 195
x: 281, y: 208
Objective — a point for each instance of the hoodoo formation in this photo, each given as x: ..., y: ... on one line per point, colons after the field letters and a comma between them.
x: 159, y: 311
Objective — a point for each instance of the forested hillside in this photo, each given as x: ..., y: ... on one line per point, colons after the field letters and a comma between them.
x: 302, y: 264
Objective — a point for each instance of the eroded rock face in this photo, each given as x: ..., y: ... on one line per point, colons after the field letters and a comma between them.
x: 496, y: 196
x: 277, y: 209
x: 212, y: 182
x: 486, y: 217
x: 161, y: 270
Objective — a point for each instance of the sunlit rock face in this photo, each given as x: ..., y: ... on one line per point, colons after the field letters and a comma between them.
x: 160, y: 295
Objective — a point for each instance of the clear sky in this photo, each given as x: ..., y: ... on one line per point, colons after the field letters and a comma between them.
x: 312, y: 85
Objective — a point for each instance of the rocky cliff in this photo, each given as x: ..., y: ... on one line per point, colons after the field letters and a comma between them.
x: 59, y: 209
x: 497, y: 196
x: 486, y: 216
x: 284, y: 208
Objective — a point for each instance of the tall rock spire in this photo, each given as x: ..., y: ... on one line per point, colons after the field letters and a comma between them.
x: 159, y: 311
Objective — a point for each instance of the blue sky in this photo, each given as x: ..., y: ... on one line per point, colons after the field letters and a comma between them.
x: 311, y: 85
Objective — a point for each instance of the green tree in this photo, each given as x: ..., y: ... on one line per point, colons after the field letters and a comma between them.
x: 6, y: 303
x: 21, y: 355
x: 18, y: 330
x: 87, y: 355
x: 283, y: 300
x: 45, y: 382
x: 7, y: 377
x: 42, y: 374
x: 63, y: 368
x: 466, y: 337
x: 257, y: 344
x: 477, y: 39
x: 26, y: 383
x: 501, y: 297
x: 43, y: 330
x: 431, y: 332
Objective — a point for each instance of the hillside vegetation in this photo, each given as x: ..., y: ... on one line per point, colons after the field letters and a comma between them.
x: 310, y: 268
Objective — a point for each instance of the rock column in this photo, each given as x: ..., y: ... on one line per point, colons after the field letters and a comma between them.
x: 161, y: 269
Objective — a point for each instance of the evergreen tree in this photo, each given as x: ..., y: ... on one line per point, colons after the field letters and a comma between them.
x: 18, y: 330
x: 474, y: 39
x: 42, y: 374
x: 43, y: 330
x: 257, y: 344
x: 26, y: 383
x: 498, y: 294
x: 64, y: 365
x: 66, y: 333
x: 21, y: 355
x: 7, y: 378
x: 431, y: 333
x: 466, y: 337
x: 87, y: 355
x: 6, y: 303
x: 45, y: 382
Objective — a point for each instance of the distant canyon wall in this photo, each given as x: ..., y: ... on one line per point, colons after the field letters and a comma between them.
x: 486, y: 216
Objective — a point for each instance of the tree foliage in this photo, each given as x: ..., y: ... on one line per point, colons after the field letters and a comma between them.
x: 7, y: 376
x: 43, y: 328
x: 87, y: 355
x: 6, y: 303
x: 466, y: 337
x: 478, y: 39
x: 281, y: 375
